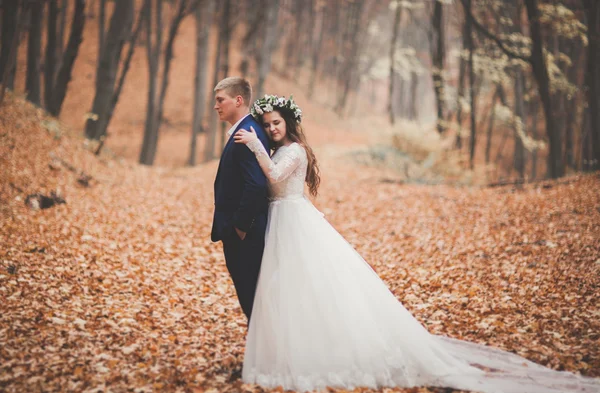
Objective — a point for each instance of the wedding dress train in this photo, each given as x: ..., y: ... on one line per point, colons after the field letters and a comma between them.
x: 322, y: 317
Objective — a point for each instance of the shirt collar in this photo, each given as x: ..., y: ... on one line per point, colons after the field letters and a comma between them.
x: 233, y: 127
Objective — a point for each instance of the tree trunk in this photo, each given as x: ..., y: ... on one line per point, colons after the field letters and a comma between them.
x: 437, y: 57
x: 226, y: 32
x: 101, y: 32
x: 395, y: 28
x: 34, y: 48
x: 126, y: 63
x: 316, y: 51
x: 120, y: 27
x: 488, y: 142
x: 150, y: 141
x: 51, y: 48
x: 62, y: 24
x: 168, y: 57
x: 534, y: 133
x: 204, y: 15
x: 211, y: 136
x: 255, y: 18
x: 519, y: 149
x: 8, y: 76
x: 471, y: 48
x: 64, y: 74
x: 413, y: 112
x: 264, y: 62
x: 593, y: 79
x: 461, y: 90
x: 351, y: 57
x: 540, y: 71
x: 10, y: 12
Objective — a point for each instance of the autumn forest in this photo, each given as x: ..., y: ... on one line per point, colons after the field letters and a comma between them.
x: 459, y: 149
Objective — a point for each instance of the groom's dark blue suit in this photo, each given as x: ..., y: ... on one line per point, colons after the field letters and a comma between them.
x: 241, y: 202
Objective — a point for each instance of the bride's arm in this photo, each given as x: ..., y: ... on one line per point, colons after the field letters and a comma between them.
x: 275, y: 172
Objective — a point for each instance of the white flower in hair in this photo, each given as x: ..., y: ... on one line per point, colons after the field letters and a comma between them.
x: 268, y: 108
x: 258, y: 109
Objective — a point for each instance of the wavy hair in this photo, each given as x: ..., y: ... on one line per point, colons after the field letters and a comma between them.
x: 295, y: 133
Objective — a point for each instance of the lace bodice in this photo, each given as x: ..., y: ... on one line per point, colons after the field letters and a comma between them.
x: 286, y: 171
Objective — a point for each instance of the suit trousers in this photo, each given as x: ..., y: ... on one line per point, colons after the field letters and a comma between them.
x: 243, y: 258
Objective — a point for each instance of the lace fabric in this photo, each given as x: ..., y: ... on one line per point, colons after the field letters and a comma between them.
x: 286, y: 171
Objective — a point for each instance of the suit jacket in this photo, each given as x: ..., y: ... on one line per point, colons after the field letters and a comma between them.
x: 240, y: 187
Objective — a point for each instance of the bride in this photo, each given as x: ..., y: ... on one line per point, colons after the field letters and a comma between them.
x: 322, y: 317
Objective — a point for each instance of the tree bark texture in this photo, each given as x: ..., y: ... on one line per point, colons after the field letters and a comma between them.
x: 472, y: 101
x: 437, y: 57
x: 268, y: 44
x: 64, y: 74
x: 10, y: 12
x: 51, y: 49
x: 34, y: 48
x: 150, y: 141
x: 119, y: 29
x: 395, y: 28
x: 204, y: 14
x: 315, y: 55
x: 593, y: 80
x: 540, y: 70
x: 8, y: 75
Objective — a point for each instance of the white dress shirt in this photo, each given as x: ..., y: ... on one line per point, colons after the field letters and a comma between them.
x: 233, y: 127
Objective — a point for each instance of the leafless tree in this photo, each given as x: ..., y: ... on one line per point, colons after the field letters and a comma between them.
x: 204, y: 14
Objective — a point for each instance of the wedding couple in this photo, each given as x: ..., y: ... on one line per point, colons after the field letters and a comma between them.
x: 318, y: 314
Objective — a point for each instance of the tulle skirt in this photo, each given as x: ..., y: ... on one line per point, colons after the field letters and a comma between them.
x: 322, y: 317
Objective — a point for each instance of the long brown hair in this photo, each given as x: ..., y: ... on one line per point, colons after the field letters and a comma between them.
x: 295, y: 133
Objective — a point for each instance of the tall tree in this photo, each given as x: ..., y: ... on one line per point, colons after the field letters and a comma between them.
x: 317, y: 36
x: 10, y: 13
x: 537, y: 60
x: 211, y: 135
x: 204, y: 14
x: 51, y: 51
x: 472, y: 101
x: 268, y: 45
x: 153, y: 25
x: 438, y: 53
x: 225, y: 39
x: 395, y: 28
x: 462, y: 70
x: 34, y: 45
x: 540, y: 70
x: 101, y: 31
x: 68, y: 59
x: 520, y: 125
x: 592, y: 8
x: 154, y: 116
x: 351, y: 53
x: 8, y: 57
x: 118, y: 31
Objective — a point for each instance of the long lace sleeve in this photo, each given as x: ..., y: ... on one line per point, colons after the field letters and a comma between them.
x: 276, y: 172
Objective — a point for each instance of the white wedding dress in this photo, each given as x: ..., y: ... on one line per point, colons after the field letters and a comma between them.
x: 322, y: 317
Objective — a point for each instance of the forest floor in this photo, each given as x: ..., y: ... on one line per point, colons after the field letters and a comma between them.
x: 120, y: 289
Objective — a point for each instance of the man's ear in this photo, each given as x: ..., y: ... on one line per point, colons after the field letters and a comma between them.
x: 239, y: 101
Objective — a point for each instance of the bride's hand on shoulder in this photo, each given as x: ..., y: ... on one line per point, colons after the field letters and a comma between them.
x: 245, y: 137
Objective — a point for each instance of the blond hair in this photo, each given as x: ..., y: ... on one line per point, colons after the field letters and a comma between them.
x: 236, y: 86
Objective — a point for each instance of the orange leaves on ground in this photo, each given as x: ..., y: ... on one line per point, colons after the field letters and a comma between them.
x: 120, y: 288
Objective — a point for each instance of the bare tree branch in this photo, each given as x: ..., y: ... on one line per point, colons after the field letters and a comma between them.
x: 492, y: 37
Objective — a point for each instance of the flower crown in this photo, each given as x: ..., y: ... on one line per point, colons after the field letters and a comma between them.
x: 270, y: 102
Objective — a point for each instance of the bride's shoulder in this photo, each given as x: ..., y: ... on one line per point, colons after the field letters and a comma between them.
x: 298, y: 148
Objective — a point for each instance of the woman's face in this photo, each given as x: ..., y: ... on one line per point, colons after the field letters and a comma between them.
x: 275, y: 125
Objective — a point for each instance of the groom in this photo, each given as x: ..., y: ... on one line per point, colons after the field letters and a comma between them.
x: 241, y: 205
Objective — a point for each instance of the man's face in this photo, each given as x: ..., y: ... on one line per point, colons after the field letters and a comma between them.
x: 225, y: 105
